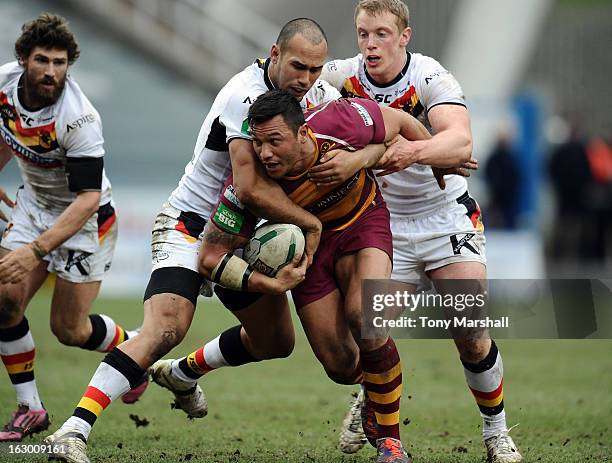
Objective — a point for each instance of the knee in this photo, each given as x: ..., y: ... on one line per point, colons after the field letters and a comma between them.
x: 339, y: 374
x: 9, y: 310
x: 284, y: 348
x: 163, y: 338
x: 69, y: 334
x: 473, y: 350
x: 281, y: 348
x: 341, y: 368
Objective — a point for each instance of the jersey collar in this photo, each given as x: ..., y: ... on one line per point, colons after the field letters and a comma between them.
x: 401, y: 74
x: 267, y: 80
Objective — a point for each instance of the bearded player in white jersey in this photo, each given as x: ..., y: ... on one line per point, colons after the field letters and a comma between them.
x: 63, y: 220
x: 224, y: 145
x: 437, y: 233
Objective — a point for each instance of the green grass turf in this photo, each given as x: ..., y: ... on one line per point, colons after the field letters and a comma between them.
x: 288, y: 411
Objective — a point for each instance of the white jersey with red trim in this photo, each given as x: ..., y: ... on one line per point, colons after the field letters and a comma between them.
x: 422, y: 84
x: 43, y: 140
x: 199, y: 189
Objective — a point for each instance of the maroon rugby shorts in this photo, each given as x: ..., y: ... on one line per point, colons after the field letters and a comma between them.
x: 371, y: 230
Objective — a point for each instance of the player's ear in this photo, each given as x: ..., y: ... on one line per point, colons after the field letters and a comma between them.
x: 303, y: 133
x: 405, y: 37
x: 275, y: 53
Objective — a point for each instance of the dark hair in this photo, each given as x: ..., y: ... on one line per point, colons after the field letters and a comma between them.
x: 309, y: 28
x: 47, y: 31
x: 275, y: 102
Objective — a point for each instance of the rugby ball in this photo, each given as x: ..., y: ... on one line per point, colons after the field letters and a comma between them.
x: 272, y: 246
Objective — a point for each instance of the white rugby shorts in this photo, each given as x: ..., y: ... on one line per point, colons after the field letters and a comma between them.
x: 84, y: 257
x: 176, y: 239
x: 453, y: 233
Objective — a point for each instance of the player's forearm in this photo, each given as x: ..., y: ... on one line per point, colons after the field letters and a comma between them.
x: 266, y: 199
x: 260, y: 283
x: 411, y: 129
x: 368, y: 156
x: 216, y: 244
x: 70, y: 221
x: 232, y: 272
x: 450, y: 148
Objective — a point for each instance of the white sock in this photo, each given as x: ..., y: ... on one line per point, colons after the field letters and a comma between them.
x: 27, y: 394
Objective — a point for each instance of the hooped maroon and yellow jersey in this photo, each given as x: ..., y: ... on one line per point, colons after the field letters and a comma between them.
x: 348, y: 124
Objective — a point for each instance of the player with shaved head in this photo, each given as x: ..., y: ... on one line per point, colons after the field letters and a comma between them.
x: 223, y: 145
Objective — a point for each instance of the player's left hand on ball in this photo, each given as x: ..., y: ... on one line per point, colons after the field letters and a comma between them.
x: 17, y: 264
x: 293, y: 273
x: 336, y: 167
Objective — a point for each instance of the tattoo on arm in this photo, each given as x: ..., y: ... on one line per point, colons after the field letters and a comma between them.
x: 214, y: 235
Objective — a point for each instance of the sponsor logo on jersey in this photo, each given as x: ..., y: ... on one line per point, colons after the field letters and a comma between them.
x: 27, y: 120
x: 228, y: 220
x: 365, y: 115
x: 80, y: 122
x: 382, y: 98
x: 230, y: 194
x: 245, y: 129
x: 28, y: 143
x: 26, y: 154
x: 433, y: 75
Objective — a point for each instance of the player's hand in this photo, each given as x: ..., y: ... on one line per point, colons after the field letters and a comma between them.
x: 17, y: 264
x: 6, y: 200
x: 336, y: 167
x: 292, y: 274
x: 463, y: 171
x: 400, y: 154
x: 312, y: 237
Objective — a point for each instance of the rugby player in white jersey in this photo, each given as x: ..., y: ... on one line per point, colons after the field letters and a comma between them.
x: 437, y: 233
x: 224, y: 145
x: 63, y: 220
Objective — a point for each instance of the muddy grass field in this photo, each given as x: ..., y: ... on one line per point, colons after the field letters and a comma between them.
x: 288, y: 411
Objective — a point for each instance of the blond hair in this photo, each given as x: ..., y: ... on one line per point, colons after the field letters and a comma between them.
x: 376, y: 7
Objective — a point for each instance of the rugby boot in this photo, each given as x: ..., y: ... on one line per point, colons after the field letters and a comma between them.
x: 188, y: 397
x: 368, y: 421
x: 67, y: 445
x: 24, y: 422
x: 390, y: 450
x: 352, y: 438
x: 502, y: 449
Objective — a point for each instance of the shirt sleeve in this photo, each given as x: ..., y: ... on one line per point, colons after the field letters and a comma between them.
x: 230, y: 215
x: 80, y: 131
x: 369, y: 119
x: 435, y: 85
x: 234, y: 115
x: 337, y: 71
x: 353, y: 122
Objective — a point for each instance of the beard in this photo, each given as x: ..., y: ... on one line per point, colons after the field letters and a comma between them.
x: 40, y: 95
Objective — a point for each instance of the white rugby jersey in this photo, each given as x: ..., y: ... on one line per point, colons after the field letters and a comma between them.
x: 42, y: 140
x: 199, y: 189
x: 422, y: 84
